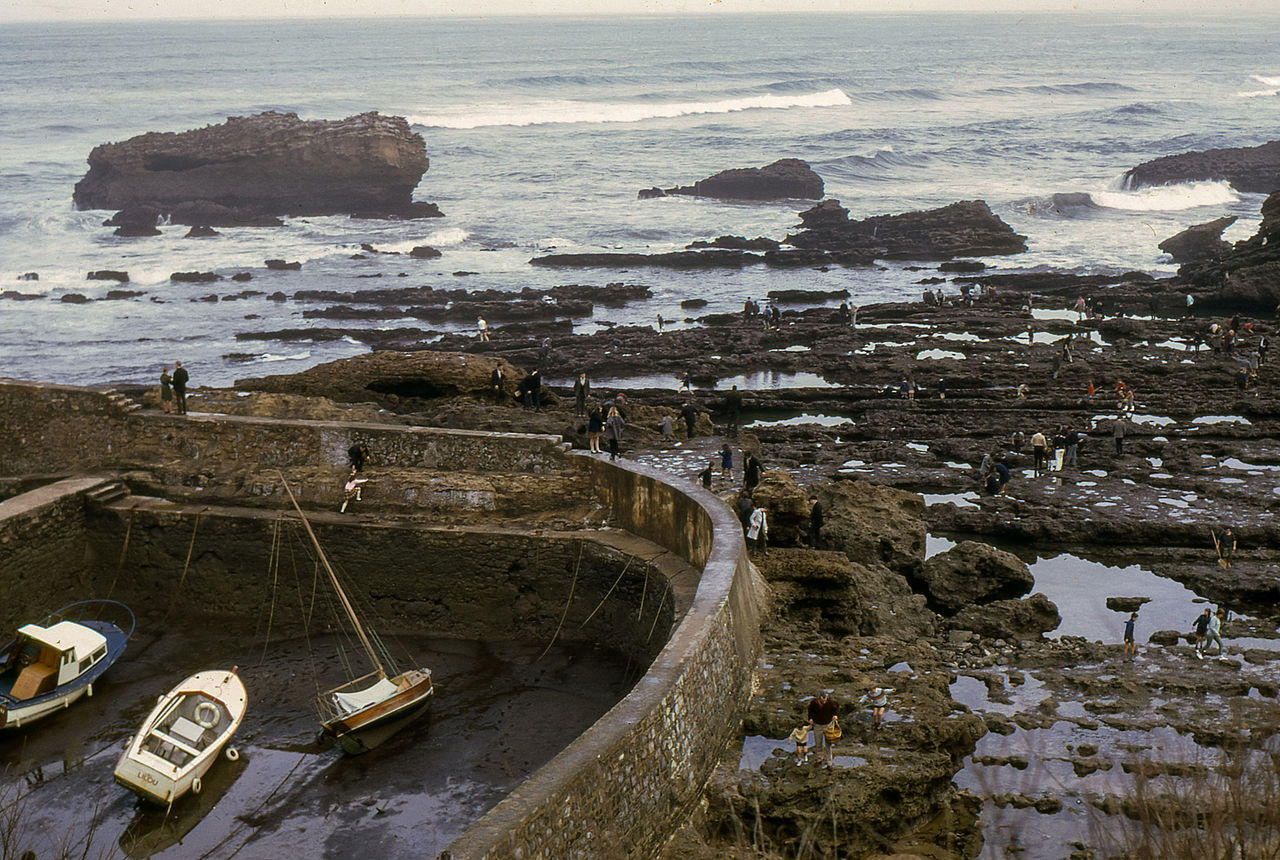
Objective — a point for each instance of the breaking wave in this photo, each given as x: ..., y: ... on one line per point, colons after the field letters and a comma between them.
x: 1168, y: 198
x: 1061, y: 89
x: 883, y: 164
x: 1265, y: 81
x: 565, y: 111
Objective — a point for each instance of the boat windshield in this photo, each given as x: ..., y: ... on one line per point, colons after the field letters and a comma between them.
x: 185, y: 729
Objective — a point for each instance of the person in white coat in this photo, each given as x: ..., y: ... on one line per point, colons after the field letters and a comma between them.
x: 759, y: 529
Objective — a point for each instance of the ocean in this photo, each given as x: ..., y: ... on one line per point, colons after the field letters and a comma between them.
x: 541, y: 131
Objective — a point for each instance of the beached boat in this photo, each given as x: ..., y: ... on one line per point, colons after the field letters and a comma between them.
x: 364, y: 712
x: 54, y: 662
x: 182, y: 737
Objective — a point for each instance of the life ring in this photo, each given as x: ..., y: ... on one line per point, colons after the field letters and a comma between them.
x: 207, y: 715
x: 196, y: 785
x: 233, y: 754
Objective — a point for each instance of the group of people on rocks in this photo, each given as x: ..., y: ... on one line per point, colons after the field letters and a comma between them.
x: 823, y: 722
x: 770, y: 317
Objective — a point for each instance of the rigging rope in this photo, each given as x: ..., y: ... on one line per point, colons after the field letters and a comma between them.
x: 563, y: 615
x: 273, y: 567
x: 123, y: 551
x: 610, y: 591
x: 185, y: 566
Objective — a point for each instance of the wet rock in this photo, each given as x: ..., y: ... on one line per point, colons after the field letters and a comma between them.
x: 16, y: 296
x: 1200, y: 242
x: 75, y: 299
x: 396, y: 380
x: 967, y: 228
x: 693, y: 304
x: 1011, y: 619
x: 269, y: 164
x: 195, y: 277
x: 737, y: 243
x: 282, y: 266
x: 201, y: 231
x: 715, y: 259
x: 1126, y: 604
x: 29, y: 276
x: 650, y: 193
x: 424, y: 252
x: 1253, y: 169
x: 826, y: 593
x: 871, y: 523
x: 783, y: 179
x: 965, y: 267
x: 124, y: 294
x: 816, y: 297
x: 1165, y: 637
x: 972, y: 572
x: 244, y: 276
x: 787, y: 504
x: 109, y: 275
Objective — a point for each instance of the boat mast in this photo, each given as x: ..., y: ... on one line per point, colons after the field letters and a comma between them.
x: 342, y: 595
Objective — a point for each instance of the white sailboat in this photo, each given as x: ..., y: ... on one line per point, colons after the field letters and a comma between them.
x: 363, y: 713
x: 182, y: 737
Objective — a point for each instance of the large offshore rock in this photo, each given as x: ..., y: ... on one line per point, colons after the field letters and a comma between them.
x: 250, y: 168
x: 397, y: 380
x: 973, y: 572
x: 1199, y: 242
x: 1249, y: 273
x: 1254, y: 169
x: 783, y: 179
x: 873, y: 524
x: 965, y: 229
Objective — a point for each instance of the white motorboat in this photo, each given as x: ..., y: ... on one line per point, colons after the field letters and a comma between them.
x: 53, y: 663
x: 182, y: 737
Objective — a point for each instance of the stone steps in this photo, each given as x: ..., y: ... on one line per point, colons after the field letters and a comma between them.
x: 110, y: 492
x: 123, y: 401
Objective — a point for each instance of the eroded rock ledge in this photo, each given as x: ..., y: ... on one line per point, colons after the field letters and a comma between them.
x: 248, y: 169
x: 1254, y: 169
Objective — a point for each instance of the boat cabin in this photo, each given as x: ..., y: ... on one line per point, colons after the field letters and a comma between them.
x: 185, y: 728
x: 44, y: 658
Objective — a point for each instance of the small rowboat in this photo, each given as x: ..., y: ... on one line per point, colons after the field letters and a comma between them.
x: 182, y: 737
x: 53, y: 663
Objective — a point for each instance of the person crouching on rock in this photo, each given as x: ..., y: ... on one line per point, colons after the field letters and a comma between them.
x: 878, y: 699
x: 822, y: 713
x: 351, y: 492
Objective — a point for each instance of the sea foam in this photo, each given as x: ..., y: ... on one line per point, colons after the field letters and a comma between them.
x: 565, y: 111
x: 1265, y: 81
x: 1167, y: 198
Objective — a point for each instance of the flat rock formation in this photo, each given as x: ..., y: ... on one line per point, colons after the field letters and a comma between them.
x: 786, y: 178
x: 253, y: 168
x: 965, y: 229
x: 1254, y: 169
x: 1199, y: 242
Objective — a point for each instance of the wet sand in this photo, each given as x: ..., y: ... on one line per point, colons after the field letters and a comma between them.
x: 498, y: 714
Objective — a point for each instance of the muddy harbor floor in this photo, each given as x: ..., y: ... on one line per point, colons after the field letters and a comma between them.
x: 498, y: 713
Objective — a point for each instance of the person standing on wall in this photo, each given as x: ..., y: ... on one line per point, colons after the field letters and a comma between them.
x: 180, y: 380
x: 166, y: 390
x: 613, y: 431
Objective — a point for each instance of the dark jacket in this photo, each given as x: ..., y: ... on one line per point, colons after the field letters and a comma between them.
x: 180, y: 377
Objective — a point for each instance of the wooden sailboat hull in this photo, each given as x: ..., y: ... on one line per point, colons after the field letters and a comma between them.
x: 368, y: 727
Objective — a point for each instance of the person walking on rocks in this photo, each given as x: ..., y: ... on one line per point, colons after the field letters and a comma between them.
x: 759, y: 529
x: 726, y: 463
x: 1117, y: 433
x: 595, y: 426
x: 1199, y: 630
x: 668, y: 436
x: 815, y: 522
x: 351, y: 491
x: 800, y: 737
x: 1213, y: 634
x: 822, y: 713
x: 613, y: 431
x: 358, y: 454
x: 166, y: 390
x: 180, y: 380
x: 1071, y: 440
x: 1130, y: 644
x: 581, y: 391
x: 878, y: 699
x: 686, y: 382
x: 733, y: 406
x: 484, y: 330
x: 750, y: 472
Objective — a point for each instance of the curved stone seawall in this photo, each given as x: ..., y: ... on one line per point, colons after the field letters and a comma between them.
x: 631, y: 779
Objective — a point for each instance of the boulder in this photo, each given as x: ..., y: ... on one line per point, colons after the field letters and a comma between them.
x: 783, y: 179
x: 737, y: 243
x: 972, y: 572
x: 1253, y: 169
x: 832, y: 596
x: 283, y: 266
x: 714, y: 259
x: 399, y: 381
x: 873, y: 524
x: 109, y: 275
x: 195, y: 277
x: 1199, y: 242
x: 787, y: 506
x: 75, y: 299
x: 29, y: 276
x: 1126, y: 604
x: 201, y: 231
x: 262, y: 166
x: 965, y: 229
x: 1011, y: 619
x: 242, y: 276
x: 424, y: 252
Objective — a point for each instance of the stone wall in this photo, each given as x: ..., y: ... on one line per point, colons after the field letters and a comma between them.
x: 631, y: 779
x: 43, y: 532
x: 61, y: 428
